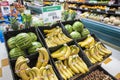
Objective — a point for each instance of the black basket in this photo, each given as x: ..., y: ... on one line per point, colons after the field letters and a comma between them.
x: 81, y: 54
x: 41, y: 32
x: 71, y: 23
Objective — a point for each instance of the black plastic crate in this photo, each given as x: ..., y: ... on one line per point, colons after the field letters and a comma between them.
x: 81, y: 54
x: 93, y: 69
x: 71, y: 23
x: 96, y: 39
x: 41, y: 32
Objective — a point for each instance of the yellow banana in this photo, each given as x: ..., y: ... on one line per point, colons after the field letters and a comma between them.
x: 40, y: 60
x: 51, y: 70
x: 45, y: 55
x: 41, y: 70
x: 57, y: 40
x: 67, y: 54
x: 66, y: 69
x: 23, y: 73
x: 78, y: 66
x: 82, y: 63
x: 18, y: 65
x: 30, y: 74
x: 50, y: 75
x: 94, y: 55
x: 65, y: 38
x: 60, y: 52
x: 66, y: 64
x: 89, y: 56
x: 71, y: 65
x: 49, y: 31
x: 74, y: 49
x: 51, y: 42
x: 100, y: 52
x: 45, y: 74
x: 36, y: 70
x: 61, y: 39
x: 103, y: 49
x: 48, y: 43
x: 59, y: 69
x: 86, y: 41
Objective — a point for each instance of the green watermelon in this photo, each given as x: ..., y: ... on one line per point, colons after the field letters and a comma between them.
x: 68, y: 27
x: 33, y: 36
x: 23, y: 40
x: 78, y: 26
x: 85, y: 32
x: 34, y: 46
x: 16, y: 52
x: 11, y: 42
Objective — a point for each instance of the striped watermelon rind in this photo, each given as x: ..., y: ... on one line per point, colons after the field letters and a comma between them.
x: 33, y: 36
x: 11, y: 42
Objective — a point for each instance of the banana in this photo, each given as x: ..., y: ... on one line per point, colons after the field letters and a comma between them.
x: 78, y: 66
x: 41, y: 70
x: 49, y: 31
x: 94, y: 55
x: 82, y: 63
x: 65, y: 38
x: 89, y: 56
x: 48, y: 43
x: 36, y: 70
x: 102, y: 48
x: 51, y: 42
x: 63, y: 70
x: 100, y: 52
x: 66, y: 69
x: 61, y: 73
x: 18, y: 65
x: 71, y: 65
x: 67, y: 54
x: 60, y: 52
x: 45, y: 74
x: 45, y: 56
x: 40, y: 60
x: 51, y: 70
x: 66, y: 64
x: 61, y: 39
x: 23, y: 73
x: 74, y: 49
x: 50, y: 75
x: 87, y: 41
x: 56, y: 40
x: 30, y: 74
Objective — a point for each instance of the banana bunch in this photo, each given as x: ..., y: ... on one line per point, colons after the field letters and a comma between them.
x: 69, y: 67
x: 47, y: 73
x: 97, y: 52
x: 55, y: 37
x: 20, y: 68
x: 65, y: 51
x: 43, y: 57
x: 88, y: 42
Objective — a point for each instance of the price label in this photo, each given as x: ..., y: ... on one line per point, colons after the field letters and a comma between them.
x: 51, y: 13
x: 5, y: 7
x: 98, y: 10
x: 86, y: 8
x: 117, y: 12
x: 107, y: 8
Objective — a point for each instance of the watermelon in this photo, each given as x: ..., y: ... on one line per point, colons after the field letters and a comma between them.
x: 78, y: 26
x: 11, y: 42
x: 33, y: 36
x: 16, y: 52
x: 23, y: 40
x: 34, y: 46
x: 85, y: 32
x: 68, y: 27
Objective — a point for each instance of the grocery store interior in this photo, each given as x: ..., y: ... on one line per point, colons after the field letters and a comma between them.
x: 59, y: 39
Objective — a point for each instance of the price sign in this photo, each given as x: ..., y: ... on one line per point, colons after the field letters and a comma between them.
x: 86, y: 8
x: 51, y: 13
x: 117, y: 12
x: 107, y: 8
x: 98, y: 10
x: 5, y: 7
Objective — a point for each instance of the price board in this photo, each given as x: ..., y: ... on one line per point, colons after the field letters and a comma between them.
x: 51, y: 13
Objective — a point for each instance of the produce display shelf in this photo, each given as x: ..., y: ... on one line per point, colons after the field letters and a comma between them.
x: 95, y: 11
x: 88, y: 3
x: 106, y: 32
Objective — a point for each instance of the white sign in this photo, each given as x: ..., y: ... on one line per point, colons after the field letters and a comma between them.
x: 51, y: 13
x: 5, y: 7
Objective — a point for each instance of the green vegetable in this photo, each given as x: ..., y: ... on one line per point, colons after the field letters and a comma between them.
x: 33, y: 36
x: 16, y: 52
x: 85, y: 32
x: 68, y: 27
x: 78, y: 26
x: 34, y: 46
x: 75, y: 35
x: 11, y: 42
x: 23, y: 41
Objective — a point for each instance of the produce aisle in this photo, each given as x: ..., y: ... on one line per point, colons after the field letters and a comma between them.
x: 59, y: 40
